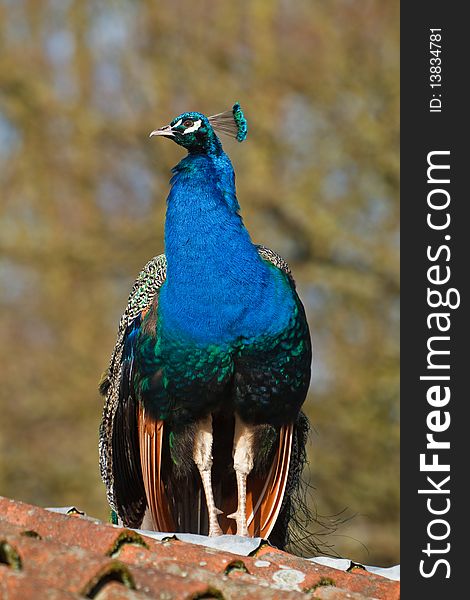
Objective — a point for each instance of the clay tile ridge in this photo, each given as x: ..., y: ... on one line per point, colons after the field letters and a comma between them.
x: 48, y: 555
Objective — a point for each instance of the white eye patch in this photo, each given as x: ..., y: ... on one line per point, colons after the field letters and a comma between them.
x: 178, y: 123
x: 194, y: 127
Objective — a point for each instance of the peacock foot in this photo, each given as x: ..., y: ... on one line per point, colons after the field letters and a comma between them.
x: 240, y: 518
x: 214, y: 527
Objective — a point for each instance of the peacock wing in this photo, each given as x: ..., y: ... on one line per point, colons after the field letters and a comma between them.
x: 275, y: 259
x: 120, y: 460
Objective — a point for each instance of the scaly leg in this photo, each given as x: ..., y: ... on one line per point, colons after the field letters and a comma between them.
x: 243, y: 459
x: 202, y: 456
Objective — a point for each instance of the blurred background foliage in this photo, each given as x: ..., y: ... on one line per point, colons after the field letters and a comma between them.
x: 82, y: 209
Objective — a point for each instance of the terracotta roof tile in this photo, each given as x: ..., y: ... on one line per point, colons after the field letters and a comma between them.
x: 14, y: 585
x: 48, y: 555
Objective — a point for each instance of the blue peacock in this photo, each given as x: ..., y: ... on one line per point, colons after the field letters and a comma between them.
x: 202, y: 428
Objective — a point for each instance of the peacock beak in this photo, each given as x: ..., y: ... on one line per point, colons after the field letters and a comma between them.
x: 164, y: 131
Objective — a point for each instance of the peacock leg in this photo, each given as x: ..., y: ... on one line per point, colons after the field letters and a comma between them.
x: 243, y: 459
x: 202, y: 456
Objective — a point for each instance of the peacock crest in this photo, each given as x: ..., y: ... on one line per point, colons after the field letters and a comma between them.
x: 231, y: 122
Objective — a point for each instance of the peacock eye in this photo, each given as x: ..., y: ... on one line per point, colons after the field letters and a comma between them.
x: 188, y: 123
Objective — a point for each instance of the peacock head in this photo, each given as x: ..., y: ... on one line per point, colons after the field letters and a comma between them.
x: 197, y: 133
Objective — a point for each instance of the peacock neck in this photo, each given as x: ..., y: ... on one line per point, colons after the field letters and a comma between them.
x: 216, y: 280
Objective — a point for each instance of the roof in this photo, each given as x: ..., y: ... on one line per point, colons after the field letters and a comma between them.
x: 51, y: 556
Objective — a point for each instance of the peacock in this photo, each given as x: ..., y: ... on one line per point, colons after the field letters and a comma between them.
x: 202, y: 429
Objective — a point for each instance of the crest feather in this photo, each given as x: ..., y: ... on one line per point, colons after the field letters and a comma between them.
x: 231, y: 122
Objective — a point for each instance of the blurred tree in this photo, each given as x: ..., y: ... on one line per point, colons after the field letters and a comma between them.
x: 83, y: 201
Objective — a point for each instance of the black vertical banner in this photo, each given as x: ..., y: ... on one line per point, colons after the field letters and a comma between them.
x: 435, y: 253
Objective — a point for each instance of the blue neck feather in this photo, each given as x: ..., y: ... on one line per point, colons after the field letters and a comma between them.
x: 217, y: 289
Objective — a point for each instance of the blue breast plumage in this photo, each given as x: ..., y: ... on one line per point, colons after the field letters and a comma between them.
x: 220, y: 304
